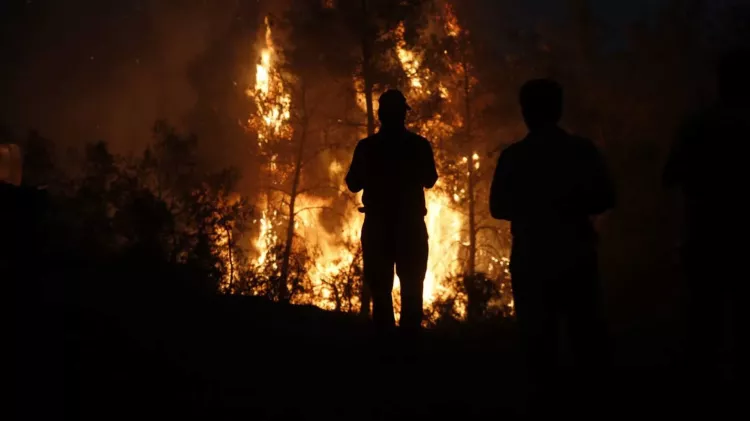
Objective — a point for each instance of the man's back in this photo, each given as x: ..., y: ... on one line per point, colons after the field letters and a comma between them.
x: 393, y: 168
x: 548, y: 185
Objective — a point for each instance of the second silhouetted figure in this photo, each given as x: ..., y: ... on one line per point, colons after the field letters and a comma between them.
x: 548, y: 186
x: 393, y: 167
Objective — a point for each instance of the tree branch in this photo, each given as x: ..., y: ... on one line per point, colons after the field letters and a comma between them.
x: 319, y: 187
x: 311, y: 208
x: 278, y: 189
x: 487, y: 228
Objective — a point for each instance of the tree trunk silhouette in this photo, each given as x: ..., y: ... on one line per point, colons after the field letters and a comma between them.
x: 366, y: 296
x: 286, y: 257
x: 470, y: 279
x: 471, y: 269
x: 231, y: 258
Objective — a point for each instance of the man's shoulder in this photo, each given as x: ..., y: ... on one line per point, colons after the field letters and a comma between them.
x: 581, y: 142
x: 416, y: 136
x: 367, y: 141
x: 567, y: 141
x: 417, y: 139
x: 408, y: 136
x: 516, y: 147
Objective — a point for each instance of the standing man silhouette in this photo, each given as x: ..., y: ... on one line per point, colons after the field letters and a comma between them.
x: 549, y: 185
x: 393, y: 167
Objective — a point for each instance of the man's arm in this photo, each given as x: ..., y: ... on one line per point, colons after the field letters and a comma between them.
x: 500, y: 191
x: 429, y: 172
x: 355, y: 178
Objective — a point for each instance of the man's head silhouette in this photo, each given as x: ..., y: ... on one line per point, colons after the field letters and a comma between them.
x: 392, y: 109
x: 734, y: 78
x: 541, y: 103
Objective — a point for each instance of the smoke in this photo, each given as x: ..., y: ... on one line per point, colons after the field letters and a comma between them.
x: 86, y: 70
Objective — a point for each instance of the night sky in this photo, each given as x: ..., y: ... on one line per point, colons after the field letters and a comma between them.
x: 82, y: 70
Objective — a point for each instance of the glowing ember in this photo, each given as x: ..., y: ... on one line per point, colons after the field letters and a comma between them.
x: 451, y: 22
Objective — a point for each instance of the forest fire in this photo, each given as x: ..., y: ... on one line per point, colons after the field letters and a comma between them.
x: 272, y: 101
x: 308, y: 243
x: 181, y: 234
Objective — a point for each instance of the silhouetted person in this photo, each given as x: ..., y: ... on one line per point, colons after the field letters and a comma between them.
x: 393, y: 167
x: 708, y: 164
x: 549, y: 186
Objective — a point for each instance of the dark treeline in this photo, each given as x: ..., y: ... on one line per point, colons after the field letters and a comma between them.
x: 155, y: 212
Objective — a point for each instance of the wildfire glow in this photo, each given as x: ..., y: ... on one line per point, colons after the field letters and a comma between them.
x: 271, y: 99
x: 271, y: 121
x: 266, y: 237
x: 332, y: 250
x: 451, y: 22
x: 444, y: 224
x: 444, y: 221
x: 322, y: 230
x: 410, y: 61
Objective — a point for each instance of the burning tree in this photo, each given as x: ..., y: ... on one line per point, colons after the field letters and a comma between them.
x: 350, y: 40
x: 377, y: 44
x: 439, y: 73
x: 484, y: 241
x: 299, y: 247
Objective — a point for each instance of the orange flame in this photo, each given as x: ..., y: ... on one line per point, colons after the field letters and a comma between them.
x: 272, y: 123
x: 333, y: 253
x: 451, y: 27
x: 271, y: 99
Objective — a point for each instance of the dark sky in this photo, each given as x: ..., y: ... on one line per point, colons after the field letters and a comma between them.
x: 611, y: 12
x: 619, y: 12
x: 614, y: 15
x: 83, y: 70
